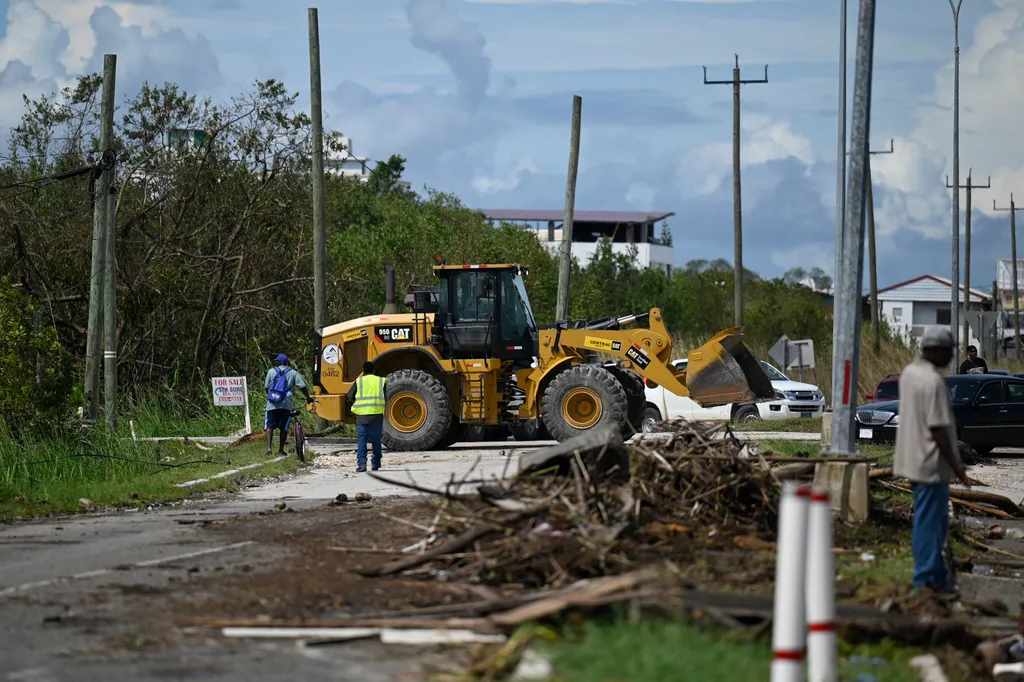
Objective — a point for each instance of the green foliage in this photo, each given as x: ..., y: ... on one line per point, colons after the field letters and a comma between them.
x: 34, y: 367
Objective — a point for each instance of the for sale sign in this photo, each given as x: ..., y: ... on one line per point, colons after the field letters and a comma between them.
x: 229, y: 391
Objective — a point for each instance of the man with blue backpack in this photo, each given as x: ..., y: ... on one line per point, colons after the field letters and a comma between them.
x: 281, y: 381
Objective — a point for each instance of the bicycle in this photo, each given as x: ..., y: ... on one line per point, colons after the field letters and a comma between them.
x: 299, y: 433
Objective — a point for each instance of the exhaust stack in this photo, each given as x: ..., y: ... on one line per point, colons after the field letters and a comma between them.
x: 390, y: 304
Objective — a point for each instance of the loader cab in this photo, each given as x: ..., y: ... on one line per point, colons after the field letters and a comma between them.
x: 484, y: 312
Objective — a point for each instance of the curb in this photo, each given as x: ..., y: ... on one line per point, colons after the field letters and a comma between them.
x: 229, y: 472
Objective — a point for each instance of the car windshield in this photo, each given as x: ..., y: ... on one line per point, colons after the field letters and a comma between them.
x: 773, y: 374
x: 888, y: 390
x: 962, y: 392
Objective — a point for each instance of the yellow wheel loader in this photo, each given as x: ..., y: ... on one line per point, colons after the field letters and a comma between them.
x: 471, y: 355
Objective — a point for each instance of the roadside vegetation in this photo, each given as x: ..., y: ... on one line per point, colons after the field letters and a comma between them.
x: 671, y: 651
x: 62, y: 475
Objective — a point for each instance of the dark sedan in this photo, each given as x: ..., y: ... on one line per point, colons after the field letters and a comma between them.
x: 988, y: 408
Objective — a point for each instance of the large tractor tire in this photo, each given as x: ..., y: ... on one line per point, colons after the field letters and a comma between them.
x: 582, y: 398
x: 418, y: 415
x: 635, y: 397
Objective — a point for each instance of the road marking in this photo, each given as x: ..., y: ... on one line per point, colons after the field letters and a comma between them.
x: 104, y: 571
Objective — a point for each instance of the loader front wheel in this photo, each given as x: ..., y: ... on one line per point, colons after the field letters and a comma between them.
x: 418, y: 413
x: 582, y: 398
x: 636, y: 399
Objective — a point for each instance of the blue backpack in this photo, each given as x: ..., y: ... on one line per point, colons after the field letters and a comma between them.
x: 278, y: 390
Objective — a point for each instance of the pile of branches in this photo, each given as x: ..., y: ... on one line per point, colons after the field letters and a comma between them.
x: 593, y: 507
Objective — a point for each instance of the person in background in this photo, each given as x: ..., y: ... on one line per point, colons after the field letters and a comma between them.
x: 927, y: 456
x: 280, y: 382
x: 366, y: 401
x: 972, y: 364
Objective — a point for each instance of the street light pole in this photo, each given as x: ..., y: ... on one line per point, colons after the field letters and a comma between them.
x: 954, y: 291
x: 837, y: 359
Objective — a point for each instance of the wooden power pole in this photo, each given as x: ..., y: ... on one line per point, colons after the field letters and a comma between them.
x: 319, y: 218
x: 1013, y: 256
x: 967, y: 247
x: 565, y: 248
x: 100, y: 230
x: 737, y: 206
x: 876, y: 332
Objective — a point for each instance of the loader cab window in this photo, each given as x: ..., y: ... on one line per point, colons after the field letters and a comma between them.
x: 475, y: 296
x: 518, y: 327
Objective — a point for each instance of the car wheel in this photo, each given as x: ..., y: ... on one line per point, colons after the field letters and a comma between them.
x: 747, y: 413
x: 651, y: 419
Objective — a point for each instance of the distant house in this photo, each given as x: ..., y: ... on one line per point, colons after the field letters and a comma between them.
x: 624, y: 228
x: 910, y: 308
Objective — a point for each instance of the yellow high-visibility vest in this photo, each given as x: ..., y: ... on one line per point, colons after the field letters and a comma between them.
x: 369, y: 395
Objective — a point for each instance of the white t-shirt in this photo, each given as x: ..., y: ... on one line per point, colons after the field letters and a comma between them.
x: 924, y: 405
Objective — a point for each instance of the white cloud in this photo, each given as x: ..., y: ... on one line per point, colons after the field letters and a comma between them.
x: 34, y: 39
x: 493, y: 185
x: 74, y: 16
x: 763, y: 140
x: 991, y: 99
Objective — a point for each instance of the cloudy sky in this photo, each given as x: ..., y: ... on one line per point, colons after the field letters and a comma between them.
x: 477, y: 95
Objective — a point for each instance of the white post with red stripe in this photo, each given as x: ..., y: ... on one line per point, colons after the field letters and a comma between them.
x: 822, y: 656
x: 789, y: 631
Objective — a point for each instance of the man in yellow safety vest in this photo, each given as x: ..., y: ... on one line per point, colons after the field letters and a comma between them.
x: 366, y: 401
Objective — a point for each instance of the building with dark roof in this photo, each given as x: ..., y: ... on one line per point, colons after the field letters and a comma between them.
x: 624, y: 228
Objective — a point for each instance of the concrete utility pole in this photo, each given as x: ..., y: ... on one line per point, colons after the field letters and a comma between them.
x: 954, y: 311
x: 565, y: 248
x: 1013, y: 255
x: 319, y: 218
x: 967, y: 246
x: 847, y: 304
x: 737, y: 206
x: 876, y: 332
x: 100, y: 229
x: 840, y: 173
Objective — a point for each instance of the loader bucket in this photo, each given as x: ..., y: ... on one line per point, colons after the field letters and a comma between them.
x: 724, y: 371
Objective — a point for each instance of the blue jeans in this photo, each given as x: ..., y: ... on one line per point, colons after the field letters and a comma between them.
x: 931, y: 526
x: 371, y: 432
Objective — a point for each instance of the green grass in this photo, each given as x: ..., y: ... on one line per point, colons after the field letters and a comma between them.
x: 654, y: 651
x: 794, y: 448
x: 49, y: 475
x: 805, y: 425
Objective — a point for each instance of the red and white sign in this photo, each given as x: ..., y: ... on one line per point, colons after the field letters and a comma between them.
x: 229, y: 391
x: 232, y: 392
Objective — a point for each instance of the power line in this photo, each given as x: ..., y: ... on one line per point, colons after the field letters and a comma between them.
x: 967, y: 247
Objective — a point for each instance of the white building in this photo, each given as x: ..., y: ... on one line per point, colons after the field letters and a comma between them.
x: 624, y: 228
x: 348, y: 164
x: 911, y: 307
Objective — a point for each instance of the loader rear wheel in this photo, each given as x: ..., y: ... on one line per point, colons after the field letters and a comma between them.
x: 582, y: 398
x: 419, y: 411
x: 530, y: 429
x: 635, y: 397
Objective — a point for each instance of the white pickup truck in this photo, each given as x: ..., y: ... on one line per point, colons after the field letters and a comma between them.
x: 792, y: 399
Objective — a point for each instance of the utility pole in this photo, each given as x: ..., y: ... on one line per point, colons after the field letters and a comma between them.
x: 737, y: 206
x: 840, y: 180
x: 967, y: 246
x: 1013, y: 255
x: 565, y: 248
x: 110, y: 312
x: 876, y: 332
x: 848, y: 290
x: 319, y: 218
x: 954, y: 310
x: 100, y: 228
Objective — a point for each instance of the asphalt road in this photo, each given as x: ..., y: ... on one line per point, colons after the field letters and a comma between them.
x: 68, y: 585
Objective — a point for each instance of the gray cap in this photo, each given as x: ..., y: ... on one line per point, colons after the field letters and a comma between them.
x: 937, y: 337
